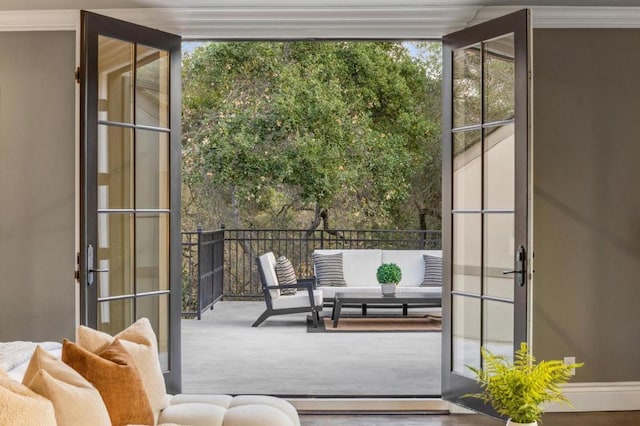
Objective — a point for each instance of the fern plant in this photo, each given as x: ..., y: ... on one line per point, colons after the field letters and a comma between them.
x: 389, y: 273
x: 518, y: 389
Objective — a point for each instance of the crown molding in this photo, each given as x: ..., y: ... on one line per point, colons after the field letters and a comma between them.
x: 342, y: 22
x: 372, y: 22
x: 568, y: 17
x: 39, y: 20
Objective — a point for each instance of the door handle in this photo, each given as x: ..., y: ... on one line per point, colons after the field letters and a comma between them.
x: 90, y: 269
x: 521, y: 265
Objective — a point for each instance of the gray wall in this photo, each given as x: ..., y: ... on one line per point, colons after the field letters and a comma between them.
x: 586, y: 200
x: 37, y: 157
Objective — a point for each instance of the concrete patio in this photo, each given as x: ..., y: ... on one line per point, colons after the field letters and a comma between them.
x: 222, y: 353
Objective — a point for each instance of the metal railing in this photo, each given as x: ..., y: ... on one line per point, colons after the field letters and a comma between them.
x: 242, y: 246
x: 222, y: 263
x: 202, y: 270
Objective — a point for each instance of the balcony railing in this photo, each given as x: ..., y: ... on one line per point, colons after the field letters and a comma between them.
x: 237, y: 269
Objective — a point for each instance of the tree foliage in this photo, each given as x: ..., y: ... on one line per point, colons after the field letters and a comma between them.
x: 291, y: 134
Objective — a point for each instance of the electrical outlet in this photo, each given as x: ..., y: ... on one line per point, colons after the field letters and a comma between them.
x: 568, y: 360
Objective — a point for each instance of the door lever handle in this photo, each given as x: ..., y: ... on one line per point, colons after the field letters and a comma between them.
x: 511, y: 272
x: 98, y: 270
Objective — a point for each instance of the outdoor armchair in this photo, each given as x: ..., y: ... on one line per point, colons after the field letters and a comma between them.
x: 306, y: 299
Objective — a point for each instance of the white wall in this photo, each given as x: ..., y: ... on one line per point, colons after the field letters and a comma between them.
x: 37, y: 187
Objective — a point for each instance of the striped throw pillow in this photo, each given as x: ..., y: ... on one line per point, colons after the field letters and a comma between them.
x: 432, y: 271
x: 328, y: 269
x: 286, y: 275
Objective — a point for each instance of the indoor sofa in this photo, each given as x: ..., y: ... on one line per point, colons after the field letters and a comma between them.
x: 421, y: 271
x: 55, y: 384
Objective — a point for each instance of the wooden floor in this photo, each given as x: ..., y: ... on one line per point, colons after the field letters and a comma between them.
x: 628, y: 418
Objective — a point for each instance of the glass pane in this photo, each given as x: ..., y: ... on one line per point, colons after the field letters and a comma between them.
x: 499, y: 77
x: 115, y: 167
x: 115, y: 315
x: 499, y: 254
x: 115, y: 253
x: 152, y: 252
x: 152, y: 87
x: 466, y: 334
x: 156, y: 309
x: 152, y: 170
x: 466, y: 253
x: 498, y: 328
x: 499, y: 169
x: 467, y: 86
x: 115, y: 75
x: 467, y: 170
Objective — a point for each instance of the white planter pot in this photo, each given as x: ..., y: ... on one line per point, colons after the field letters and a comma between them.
x: 512, y: 423
x: 388, y: 289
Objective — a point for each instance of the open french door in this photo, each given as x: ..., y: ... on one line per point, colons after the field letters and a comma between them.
x: 486, y: 139
x: 130, y: 182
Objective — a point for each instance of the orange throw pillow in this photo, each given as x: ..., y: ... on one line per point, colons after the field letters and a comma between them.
x: 116, y: 377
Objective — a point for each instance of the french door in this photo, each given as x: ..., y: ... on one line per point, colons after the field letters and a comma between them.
x: 130, y: 182
x: 486, y: 168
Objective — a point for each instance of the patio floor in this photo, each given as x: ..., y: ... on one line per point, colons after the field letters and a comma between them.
x: 222, y: 353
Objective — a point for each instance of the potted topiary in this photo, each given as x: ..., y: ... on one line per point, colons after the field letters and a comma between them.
x: 389, y: 275
x: 518, y: 389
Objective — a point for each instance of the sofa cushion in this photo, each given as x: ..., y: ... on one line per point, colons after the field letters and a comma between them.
x: 258, y: 415
x: 411, y: 264
x: 328, y: 269
x: 194, y: 414
x: 278, y: 403
x: 432, y: 271
x: 139, y: 340
x: 19, y: 405
x: 113, y: 372
x: 286, y: 275
x: 75, y: 400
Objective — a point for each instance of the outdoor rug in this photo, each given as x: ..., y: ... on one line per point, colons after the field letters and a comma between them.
x: 425, y: 323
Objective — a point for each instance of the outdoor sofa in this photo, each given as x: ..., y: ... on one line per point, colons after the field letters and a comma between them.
x: 354, y: 270
x: 105, y: 380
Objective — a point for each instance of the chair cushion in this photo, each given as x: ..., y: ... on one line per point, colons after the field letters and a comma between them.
x: 22, y: 406
x: 286, y: 275
x: 75, y: 400
x: 432, y: 271
x: 328, y: 269
x: 298, y: 300
x: 139, y: 340
x: 116, y: 377
x: 268, y: 263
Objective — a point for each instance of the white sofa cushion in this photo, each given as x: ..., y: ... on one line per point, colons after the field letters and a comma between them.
x: 359, y: 266
x: 411, y: 263
x: 330, y: 292
x: 219, y: 410
x: 299, y: 299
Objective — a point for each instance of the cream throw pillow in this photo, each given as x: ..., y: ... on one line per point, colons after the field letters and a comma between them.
x: 19, y: 405
x: 139, y: 340
x: 75, y: 400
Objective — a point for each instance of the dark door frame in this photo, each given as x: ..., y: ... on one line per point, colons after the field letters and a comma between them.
x: 93, y: 25
x: 518, y: 23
